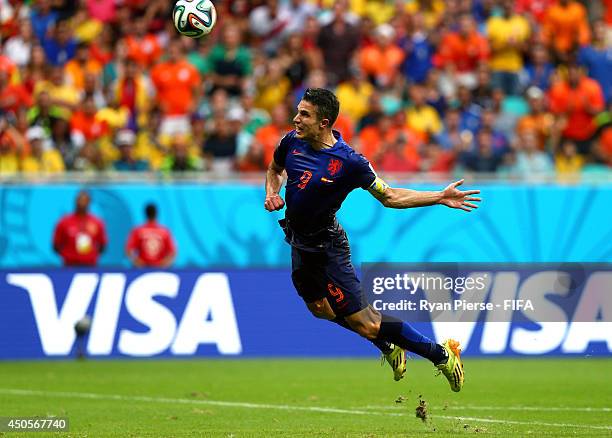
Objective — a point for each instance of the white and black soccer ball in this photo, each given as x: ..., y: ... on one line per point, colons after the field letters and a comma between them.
x: 194, y: 18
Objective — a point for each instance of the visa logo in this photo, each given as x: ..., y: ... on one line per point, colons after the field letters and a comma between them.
x: 208, y: 317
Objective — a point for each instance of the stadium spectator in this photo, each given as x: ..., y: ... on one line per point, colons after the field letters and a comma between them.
x: 381, y: 61
x: 354, y: 95
x: 79, y: 238
x: 597, y: 58
x: 295, y: 60
x: 13, y: 97
x: 10, y: 68
x: 270, y: 23
x: 102, y: 10
x: 43, y: 157
x: 230, y: 62
x: 420, y: 116
x: 397, y: 153
x: 529, y: 159
x: 460, y: 52
x: 42, y: 18
x: 508, y: 34
x: 63, y: 96
x: 538, y: 70
x: 178, y: 90
x: 253, y: 160
x: 568, y: 163
x: 36, y: 69
x: 127, y: 162
x: 61, y: 141
x: 82, y: 63
x: 575, y: 102
x: 535, y: 10
x: 418, y: 50
x: 565, y: 28
x: 180, y: 158
x: 142, y: 46
x: 432, y: 11
x: 151, y: 245
x: 269, y: 134
x: 60, y: 46
x: 470, y: 112
x: 84, y: 121
x: 219, y: 148
x: 538, y: 119
x: 338, y: 40
x: 484, y: 158
x: 18, y: 48
x: 452, y: 137
x: 435, y: 159
x: 89, y: 156
x: 272, y: 86
x: 43, y: 113
x: 9, y: 156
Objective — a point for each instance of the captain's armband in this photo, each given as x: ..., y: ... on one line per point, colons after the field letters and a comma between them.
x: 378, y: 186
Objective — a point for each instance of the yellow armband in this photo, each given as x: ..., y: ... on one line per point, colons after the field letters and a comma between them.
x: 378, y: 186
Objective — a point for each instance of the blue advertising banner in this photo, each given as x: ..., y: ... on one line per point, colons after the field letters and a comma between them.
x: 186, y: 313
x: 225, y: 225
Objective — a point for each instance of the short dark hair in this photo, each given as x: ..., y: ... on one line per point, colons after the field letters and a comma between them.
x: 326, y: 102
x: 151, y: 211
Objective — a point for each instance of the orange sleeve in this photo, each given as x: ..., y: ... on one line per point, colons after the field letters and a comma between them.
x: 547, y: 27
x: 485, y: 50
x: 596, y: 97
x: 557, y: 100
x: 444, y: 55
x: 584, y: 31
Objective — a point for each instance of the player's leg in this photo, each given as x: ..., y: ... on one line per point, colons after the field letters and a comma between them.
x: 309, y: 279
x: 346, y: 298
x: 372, y: 324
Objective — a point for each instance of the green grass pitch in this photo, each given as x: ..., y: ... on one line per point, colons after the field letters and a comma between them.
x: 343, y: 397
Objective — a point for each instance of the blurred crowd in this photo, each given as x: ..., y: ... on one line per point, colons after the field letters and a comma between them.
x: 515, y: 87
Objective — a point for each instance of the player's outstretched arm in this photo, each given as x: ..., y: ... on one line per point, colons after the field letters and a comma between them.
x: 274, y: 182
x: 451, y: 196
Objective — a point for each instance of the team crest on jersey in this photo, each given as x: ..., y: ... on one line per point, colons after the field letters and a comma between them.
x: 334, y: 166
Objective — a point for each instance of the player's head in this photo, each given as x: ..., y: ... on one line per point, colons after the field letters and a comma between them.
x: 82, y: 202
x: 151, y: 212
x: 316, y: 113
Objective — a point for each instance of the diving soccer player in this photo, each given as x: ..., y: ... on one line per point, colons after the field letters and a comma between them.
x: 321, y: 171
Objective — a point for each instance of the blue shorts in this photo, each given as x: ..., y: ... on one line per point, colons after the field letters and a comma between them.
x: 326, y: 271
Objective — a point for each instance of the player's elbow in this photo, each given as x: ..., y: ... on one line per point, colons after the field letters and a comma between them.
x: 389, y: 198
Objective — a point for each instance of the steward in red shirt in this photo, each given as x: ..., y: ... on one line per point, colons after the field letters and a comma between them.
x: 151, y: 244
x: 79, y: 238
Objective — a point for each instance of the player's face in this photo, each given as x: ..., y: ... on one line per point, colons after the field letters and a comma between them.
x: 306, y: 121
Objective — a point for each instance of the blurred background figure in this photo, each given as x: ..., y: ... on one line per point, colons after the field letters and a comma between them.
x: 151, y: 245
x: 80, y: 237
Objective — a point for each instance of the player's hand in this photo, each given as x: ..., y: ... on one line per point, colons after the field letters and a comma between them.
x: 454, y: 198
x: 274, y: 202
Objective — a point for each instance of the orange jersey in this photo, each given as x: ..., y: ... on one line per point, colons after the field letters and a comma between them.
x: 175, y: 84
x: 564, y: 27
x: 145, y: 51
x: 464, y: 53
x: 573, y: 102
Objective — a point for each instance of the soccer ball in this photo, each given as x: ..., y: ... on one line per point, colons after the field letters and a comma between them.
x: 194, y: 18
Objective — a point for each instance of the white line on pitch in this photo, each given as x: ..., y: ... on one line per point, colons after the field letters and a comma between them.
x: 97, y: 396
x: 505, y: 408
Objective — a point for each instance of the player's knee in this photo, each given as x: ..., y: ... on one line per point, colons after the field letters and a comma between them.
x: 321, y: 309
x: 367, y: 329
